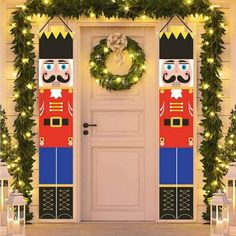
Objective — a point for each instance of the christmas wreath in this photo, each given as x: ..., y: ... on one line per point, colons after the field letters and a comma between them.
x: 117, y: 43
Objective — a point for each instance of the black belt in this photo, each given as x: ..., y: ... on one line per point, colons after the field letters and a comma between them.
x: 176, y: 122
x: 56, y: 122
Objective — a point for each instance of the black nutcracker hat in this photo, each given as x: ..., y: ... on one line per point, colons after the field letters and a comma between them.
x: 56, y: 46
x: 176, y: 46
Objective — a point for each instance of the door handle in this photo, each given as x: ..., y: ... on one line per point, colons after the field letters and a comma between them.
x: 86, y: 125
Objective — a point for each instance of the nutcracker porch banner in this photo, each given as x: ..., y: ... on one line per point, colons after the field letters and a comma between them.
x: 56, y: 125
x: 176, y: 91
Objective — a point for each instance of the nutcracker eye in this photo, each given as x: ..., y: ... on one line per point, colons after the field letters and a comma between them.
x: 184, y: 67
x: 169, y: 67
x: 63, y: 67
x: 48, y: 66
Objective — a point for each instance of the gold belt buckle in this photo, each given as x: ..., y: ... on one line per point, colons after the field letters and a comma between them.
x: 57, y: 125
x: 180, y: 119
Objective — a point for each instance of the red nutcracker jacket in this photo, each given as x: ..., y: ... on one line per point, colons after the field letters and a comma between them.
x: 176, y: 118
x: 55, y: 118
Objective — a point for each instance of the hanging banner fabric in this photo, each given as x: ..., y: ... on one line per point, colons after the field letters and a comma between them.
x: 176, y: 157
x: 56, y: 126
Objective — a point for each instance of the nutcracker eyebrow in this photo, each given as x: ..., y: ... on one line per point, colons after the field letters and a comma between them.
x: 169, y: 62
x: 62, y: 62
x: 48, y: 62
x: 183, y: 62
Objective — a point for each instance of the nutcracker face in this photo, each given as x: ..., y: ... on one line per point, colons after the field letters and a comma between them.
x: 55, y: 73
x: 176, y: 73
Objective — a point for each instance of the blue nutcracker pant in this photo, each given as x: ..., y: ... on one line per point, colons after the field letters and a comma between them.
x: 55, y: 165
x: 176, y: 166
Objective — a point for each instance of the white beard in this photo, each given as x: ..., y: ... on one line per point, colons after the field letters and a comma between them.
x: 56, y: 93
x: 176, y: 93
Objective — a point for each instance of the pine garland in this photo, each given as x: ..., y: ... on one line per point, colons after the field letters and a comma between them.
x: 7, y: 153
x: 211, y: 85
x: 230, y: 139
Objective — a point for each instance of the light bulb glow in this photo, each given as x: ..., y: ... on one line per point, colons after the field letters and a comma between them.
x: 126, y: 8
x: 207, y: 134
x: 205, y: 86
x: 231, y: 141
x: 30, y: 86
x: 105, y: 71
x: 210, y: 60
x: 92, y: 63
x: 135, y: 79
x: 118, y: 79
x: 211, y: 31
x: 25, y: 60
x: 92, y: 15
x: 105, y: 49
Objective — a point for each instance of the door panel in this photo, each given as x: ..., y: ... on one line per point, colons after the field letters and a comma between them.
x: 119, y: 154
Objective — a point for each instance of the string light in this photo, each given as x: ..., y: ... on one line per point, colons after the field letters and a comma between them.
x: 25, y: 60
x: 212, y: 113
x: 105, y: 71
x: 231, y: 142
x: 118, y: 79
x: 135, y: 79
x: 13, y: 25
x: 24, y: 31
x: 189, y: 2
x: 97, y: 81
x: 211, y: 31
x: 206, y: 18
x: 210, y: 60
x: 205, y: 86
x: 16, y: 95
x: 29, y: 43
x: 23, y: 114
x: 4, y: 142
x: 29, y: 18
x: 219, y: 95
x: 144, y: 17
x: 214, y: 183
x: 143, y: 67
x: 92, y: 15
x: 232, y: 136
x: 28, y: 134
x: 206, y: 43
x: 46, y: 2
x: 131, y: 55
x: 30, y: 86
x: 92, y: 64
x: 105, y: 49
x: 126, y: 8
x: 207, y: 134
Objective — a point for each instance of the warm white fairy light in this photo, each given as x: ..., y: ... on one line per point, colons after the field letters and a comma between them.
x: 30, y: 86
x: 211, y: 31
x: 210, y: 60
x: 105, y: 71
x: 92, y: 63
x: 118, y: 79
x: 25, y: 60
x: 105, y: 49
x: 135, y: 79
x: 207, y: 134
x: 205, y: 86
x: 92, y: 15
x: 126, y: 8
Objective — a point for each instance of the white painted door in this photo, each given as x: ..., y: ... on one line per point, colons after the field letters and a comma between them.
x: 119, y: 155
